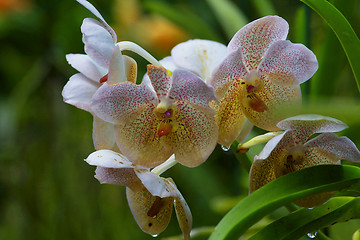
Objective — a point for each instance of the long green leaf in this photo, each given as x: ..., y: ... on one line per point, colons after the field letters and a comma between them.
x: 343, y: 31
x: 281, y: 191
x: 305, y: 220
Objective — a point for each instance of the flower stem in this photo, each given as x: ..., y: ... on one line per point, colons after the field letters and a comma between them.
x: 165, y: 165
x: 127, y: 45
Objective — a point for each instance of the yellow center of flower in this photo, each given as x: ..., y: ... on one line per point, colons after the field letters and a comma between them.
x: 295, y: 157
x: 164, y: 112
x: 253, y: 84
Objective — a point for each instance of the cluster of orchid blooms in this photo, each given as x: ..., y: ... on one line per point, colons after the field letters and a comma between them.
x: 203, y: 94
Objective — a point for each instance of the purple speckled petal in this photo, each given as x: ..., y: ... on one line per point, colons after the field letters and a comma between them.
x: 256, y: 37
x: 334, y: 148
x: 288, y: 63
x: 114, y: 103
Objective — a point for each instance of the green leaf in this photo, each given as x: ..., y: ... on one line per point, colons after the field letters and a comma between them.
x: 282, y: 191
x: 264, y: 7
x: 229, y: 16
x: 189, y: 21
x: 343, y: 30
x: 303, y: 221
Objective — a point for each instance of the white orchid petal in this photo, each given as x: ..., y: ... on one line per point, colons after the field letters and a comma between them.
x: 99, y: 44
x: 270, y: 146
x: 199, y: 56
x: 79, y: 90
x: 108, y: 159
x: 117, y: 73
x: 92, y: 9
x: 103, y: 134
x: 85, y: 65
x: 156, y: 185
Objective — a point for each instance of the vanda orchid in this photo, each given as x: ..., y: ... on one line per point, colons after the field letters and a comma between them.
x: 99, y: 39
x: 151, y: 198
x: 260, y: 76
x: 102, y: 62
x: 203, y: 94
x: 255, y: 77
x: 168, y: 115
x: 292, y: 151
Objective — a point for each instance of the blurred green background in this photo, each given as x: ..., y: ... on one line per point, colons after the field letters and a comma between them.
x: 47, y: 191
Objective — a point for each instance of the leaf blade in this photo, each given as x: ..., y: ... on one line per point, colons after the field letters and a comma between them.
x: 281, y: 191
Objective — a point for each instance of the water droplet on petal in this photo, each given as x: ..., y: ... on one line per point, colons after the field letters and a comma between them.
x: 312, y: 235
x: 225, y: 148
x: 155, y: 235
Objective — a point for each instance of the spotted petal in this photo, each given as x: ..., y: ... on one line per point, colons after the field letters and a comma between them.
x: 152, y: 206
x: 261, y: 173
x: 195, y: 134
x: 117, y: 102
x: 79, y: 90
x: 198, y: 56
x: 151, y: 213
x: 160, y: 80
x: 309, y: 124
x: 268, y: 165
x: 137, y: 137
x: 190, y: 88
x: 266, y: 107
x: 333, y: 148
x: 229, y: 117
x: 232, y: 68
x: 288, y: 63
x: 256, y: 37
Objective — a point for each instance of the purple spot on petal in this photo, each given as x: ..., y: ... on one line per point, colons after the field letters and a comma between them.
x: 167, y: 114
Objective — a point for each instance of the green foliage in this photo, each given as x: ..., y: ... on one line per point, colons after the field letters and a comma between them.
x: 282, y: 191
x: 343, y: 31
x: 48, y: 192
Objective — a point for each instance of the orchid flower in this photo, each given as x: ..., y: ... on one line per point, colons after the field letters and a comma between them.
x: 103, y: 62
x: 160, y: 117
x: 259, y: 77
x: 151, y: 198
x: 94, y: 67
x: 201, y: 57
x: 292, y: 151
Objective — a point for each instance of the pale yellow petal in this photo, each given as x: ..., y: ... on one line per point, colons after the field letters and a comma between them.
x: 229, y: 116
x: 130, y: 69
x: 261, y: 173
x: 194, y: 135
x: 151, y: 213
x: 138, y: 139
x: 268, y: 105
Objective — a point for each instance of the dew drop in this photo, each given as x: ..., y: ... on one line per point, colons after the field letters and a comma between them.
x: 312, y: 235
x: 155, y: 235
x: 224, y: 148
